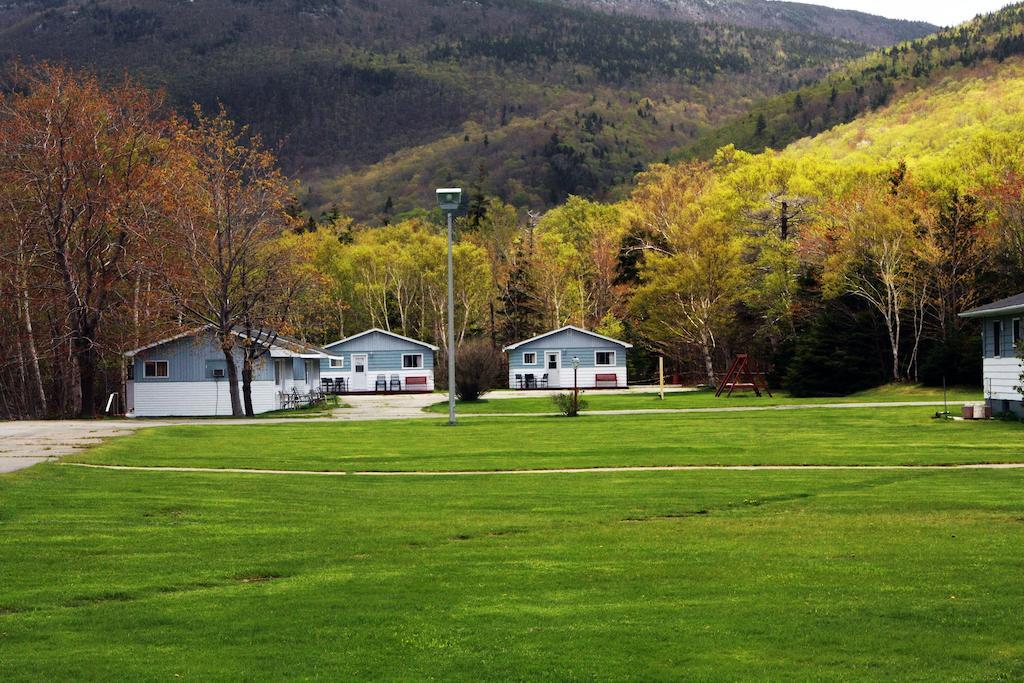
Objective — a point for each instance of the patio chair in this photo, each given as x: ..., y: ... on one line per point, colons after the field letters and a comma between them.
x: 543, y: 384
x: 531, y: 381
x: 396, y: 383
x: 519, y: 381
x: 325, y: 384
x: 381, y: 384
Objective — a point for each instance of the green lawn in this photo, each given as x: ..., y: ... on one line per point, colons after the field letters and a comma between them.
x: 598, y: 400
x: 851, y: 436
x: 678, y: 575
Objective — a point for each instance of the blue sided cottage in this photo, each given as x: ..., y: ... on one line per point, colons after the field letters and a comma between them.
x: 546, y: 361
x: 378, y: 361
x: 186, y: 375
x: 1000, y: 348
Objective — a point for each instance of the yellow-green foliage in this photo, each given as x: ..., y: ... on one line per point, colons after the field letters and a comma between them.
x: 946, y: 133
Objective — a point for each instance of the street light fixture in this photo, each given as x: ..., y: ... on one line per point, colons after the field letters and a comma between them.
x: 449, y: 199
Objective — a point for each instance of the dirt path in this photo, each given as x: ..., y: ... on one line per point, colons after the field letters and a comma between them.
x: 565, y: 470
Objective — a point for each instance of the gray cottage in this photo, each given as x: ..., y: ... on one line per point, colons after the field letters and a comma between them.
x: 547, y: 360
x: 186, y: 375
x: 379, y: 361
x: 1000, y: 344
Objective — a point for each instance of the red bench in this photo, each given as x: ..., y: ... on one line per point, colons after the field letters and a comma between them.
x: 419, y: 382
x: 603, y: 378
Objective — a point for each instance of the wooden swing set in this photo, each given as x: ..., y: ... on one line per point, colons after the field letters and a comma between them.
x: 743, y: 377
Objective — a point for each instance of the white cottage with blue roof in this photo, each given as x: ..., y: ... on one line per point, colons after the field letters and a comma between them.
x: 1000, y: 349
x: 186, y: 375
x: 547, y: 360
x: 379, y: 361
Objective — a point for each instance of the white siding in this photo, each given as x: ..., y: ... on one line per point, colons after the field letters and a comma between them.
x: 187, y: 399
x: 1002, y: 376
x: 562, y: 379
x: 371, y: 377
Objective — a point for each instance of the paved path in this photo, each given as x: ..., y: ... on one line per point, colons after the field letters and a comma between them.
x: 564, y: 470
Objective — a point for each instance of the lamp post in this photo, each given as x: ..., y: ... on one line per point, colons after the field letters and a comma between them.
x: 575, y: 385
x: 449, y: 199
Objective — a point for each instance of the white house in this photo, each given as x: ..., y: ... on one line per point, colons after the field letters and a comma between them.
x: 186, y: 375
x: 1000, y: 348
x: 547, y: 360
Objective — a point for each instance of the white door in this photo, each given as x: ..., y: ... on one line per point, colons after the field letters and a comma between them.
x: 358, y: 372
x: 553, y: 367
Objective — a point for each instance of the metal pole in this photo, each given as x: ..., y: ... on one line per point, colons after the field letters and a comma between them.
x: 451, y: 327
x: 661, y: 377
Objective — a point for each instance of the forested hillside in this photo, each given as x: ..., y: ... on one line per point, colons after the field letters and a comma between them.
x: 532, y: 100
x: 868, y: 84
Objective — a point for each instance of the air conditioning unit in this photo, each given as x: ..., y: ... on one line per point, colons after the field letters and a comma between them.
x: 219, y: 373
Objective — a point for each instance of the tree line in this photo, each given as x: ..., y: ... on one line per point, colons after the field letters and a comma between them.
x: 124, y: 223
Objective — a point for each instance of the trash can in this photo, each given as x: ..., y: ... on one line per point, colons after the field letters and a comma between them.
x: 968, y: 412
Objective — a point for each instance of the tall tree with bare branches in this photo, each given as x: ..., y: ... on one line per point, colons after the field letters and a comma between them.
x: 238, y: 277
x: 83, y: 174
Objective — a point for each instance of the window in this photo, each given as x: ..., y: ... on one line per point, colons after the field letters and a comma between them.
x: 997, y: 338
x: 337, y: 363
x: 412, y: 360
x: 529, y: 358
x: 155, y: 368
x: 1016, y: 333
x: 604, y: 358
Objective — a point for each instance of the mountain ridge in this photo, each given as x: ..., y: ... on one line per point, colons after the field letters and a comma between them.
x: 863, y: 27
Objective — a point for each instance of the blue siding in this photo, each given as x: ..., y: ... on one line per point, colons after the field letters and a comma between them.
x: 384, y: 353
x: 571, y: 343
x: 1007, y: 349
x: 192, y: 359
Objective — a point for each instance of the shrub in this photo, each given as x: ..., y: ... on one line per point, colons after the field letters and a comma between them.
x: 479, y: 368
x: 568, y: 404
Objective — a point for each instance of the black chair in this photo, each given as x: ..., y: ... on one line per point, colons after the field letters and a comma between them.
x: 381, y: 384
x: 543, y: 381
x: 340, y: 385
x: 396, y: 383
x: 531, y: 381
x: 325, y: 384
x: 519, y: 381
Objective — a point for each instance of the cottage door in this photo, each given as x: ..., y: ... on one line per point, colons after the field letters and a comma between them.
x: 553, y: 367
x: 358, y: 372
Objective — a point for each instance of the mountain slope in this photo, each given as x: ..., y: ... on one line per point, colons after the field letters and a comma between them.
x: 868, y: 84
x: 971, y: 113
x: 784, y: 16
x: 548, y: 99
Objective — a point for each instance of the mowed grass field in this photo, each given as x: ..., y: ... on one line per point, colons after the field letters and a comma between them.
x: 804, y: 574
x: 676, y: 400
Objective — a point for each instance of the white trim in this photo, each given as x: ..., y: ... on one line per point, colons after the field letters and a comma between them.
x: 534, y: 354
x: 412, y: 367
x: 340, y: 360
x: 167, y: 363
x: 390, y: 334
x: 510, y: 347
x: 615, y: 358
